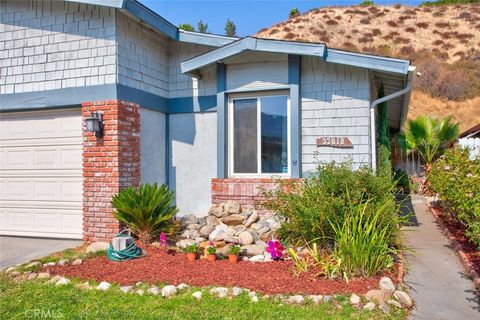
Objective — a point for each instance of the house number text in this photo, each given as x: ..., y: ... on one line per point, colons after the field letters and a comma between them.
x: 336, y: 142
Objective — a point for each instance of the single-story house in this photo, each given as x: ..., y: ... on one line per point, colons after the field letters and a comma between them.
x: 213, y: 117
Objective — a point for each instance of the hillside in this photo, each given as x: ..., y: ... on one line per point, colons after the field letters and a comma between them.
x: 442, y: 41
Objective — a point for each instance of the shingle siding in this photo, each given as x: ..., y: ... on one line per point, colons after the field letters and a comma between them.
x: 48, y: 45
x: 335, y: 102
x: 142, y: 57
x: 181, y: 85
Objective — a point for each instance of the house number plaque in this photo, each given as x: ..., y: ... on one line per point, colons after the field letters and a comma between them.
x: 336, y: 142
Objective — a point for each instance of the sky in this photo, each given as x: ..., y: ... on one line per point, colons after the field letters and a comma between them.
x: 249, y: 16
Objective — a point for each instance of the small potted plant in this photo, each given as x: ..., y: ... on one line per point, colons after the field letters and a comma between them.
x: 191, y: 251
x: 211, y: 252
x: 233, y: 253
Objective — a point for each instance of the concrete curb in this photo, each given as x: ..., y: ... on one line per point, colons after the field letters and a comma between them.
x: 463, y: 257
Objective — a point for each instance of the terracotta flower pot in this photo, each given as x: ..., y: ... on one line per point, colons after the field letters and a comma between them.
x: 211, y: 257
x: 233, y: 258
x: 191, y: 256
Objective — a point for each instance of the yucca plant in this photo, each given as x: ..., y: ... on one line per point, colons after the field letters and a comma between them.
x: 429, y: 137
x: 146, y: 210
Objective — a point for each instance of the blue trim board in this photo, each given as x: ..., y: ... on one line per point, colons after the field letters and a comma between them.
x: 39, y: 100
x: 221, y: 121
x: 294, y: 67
x: 42, y: 100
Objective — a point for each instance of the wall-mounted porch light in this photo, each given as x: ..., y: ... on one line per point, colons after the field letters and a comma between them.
x: 95, y: 124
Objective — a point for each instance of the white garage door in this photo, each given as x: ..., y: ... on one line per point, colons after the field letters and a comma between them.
x: 41, y: 174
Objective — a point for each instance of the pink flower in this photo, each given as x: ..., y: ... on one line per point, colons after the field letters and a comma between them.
x: 275, y: 249
x: 163, y: 239
x: 447, y: 168
x: 469, y: 175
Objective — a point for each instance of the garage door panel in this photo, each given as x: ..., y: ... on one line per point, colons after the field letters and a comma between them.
x: 41, y: 174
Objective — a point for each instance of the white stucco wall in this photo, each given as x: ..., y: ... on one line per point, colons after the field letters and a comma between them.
x: 152, y: 146
x: 335, y: 102
x: 49, y: 44
x: 193, y: 163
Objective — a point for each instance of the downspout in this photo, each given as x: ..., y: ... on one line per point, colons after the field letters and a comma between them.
x: 373, y: 105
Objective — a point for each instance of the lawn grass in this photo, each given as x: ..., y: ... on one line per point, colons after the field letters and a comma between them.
x: 19, y: 300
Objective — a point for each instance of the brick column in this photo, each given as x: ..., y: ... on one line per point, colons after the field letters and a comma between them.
x: 110, y: 164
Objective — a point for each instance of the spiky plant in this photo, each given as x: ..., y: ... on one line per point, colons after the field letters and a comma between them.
x: 146, y: 210
x: 429, y: 137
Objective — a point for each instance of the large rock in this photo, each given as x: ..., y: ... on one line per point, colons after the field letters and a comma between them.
x: 354, y: 299
x: 205, y: 231
x: 386, y: 283
x: 262, y: 231
x: 169, y: 291
x: 297, y: 299
x: 245, y: 238
x: 403, y: 298
x: 239, y: 229
x: 217, y: 235
x: 251, y: 250
x: 231, y: 239
x: 273, y: 223
x: 219, y: 292
x: 232, y: 207
x: 189, y: 219
x: 211, y: 220
x: 97, y: 246
x: 378, y: 296
x: 185, y: 243
x: 216, y: 210
x: 233, y: 220
x: 251, y: 219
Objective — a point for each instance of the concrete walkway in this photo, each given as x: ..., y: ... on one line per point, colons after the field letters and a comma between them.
x: 15, y: 250
x: 437, y: 280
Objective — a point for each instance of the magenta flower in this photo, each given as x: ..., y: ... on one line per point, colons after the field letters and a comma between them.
x: 275, y: 249
x: 163, y: 239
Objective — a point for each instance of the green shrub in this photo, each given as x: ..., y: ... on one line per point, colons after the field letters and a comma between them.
x: 403, y: 183
x: 456, y: 179
x: 311, y: 206
x: 362, y: 239
x: 146, y: 210
x: 366, y: 3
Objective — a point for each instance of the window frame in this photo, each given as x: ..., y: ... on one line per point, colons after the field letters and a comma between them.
x: 230, y: 123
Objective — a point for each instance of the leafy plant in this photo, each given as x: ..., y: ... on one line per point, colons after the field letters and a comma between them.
x: 366, y: 3
x: 403, y: 183
x: 429, y: 137
x: 362, y: 240
x: 456, y: 179
x: 146, y: 210
x: 308, y: 205
x: 235, y: 249
x: 211, y: 248
x: 293, y: 13
x: 192, y: 248
x: 300, y: 264
x: 186, y: 27
x: 230, y: 29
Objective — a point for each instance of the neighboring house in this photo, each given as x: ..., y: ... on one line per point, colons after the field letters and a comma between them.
x: 470, y: 139
x: 211, y: 116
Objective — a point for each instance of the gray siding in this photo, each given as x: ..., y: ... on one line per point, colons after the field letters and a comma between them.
x: 193, y: 163
x: 152, y: 146
x: 335, y: 102
x: 258, y: 71
x: 181, y: 85
x: 48, y: 45
x: 142, y: 57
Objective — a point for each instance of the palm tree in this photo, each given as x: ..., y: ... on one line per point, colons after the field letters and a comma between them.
x: 429, y: 137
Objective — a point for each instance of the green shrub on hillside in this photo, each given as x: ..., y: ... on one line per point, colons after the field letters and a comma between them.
x: 448, y: 2
x: 456, y: 179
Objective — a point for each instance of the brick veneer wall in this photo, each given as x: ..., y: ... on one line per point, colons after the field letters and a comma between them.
x: 110, y: 164
x: 245, y: 191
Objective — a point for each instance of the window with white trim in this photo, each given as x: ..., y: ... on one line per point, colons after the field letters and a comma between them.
x: 259, y: 130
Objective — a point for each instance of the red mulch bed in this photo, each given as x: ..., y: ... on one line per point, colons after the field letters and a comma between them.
x: 173, y: 268
x: 458, y: 232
